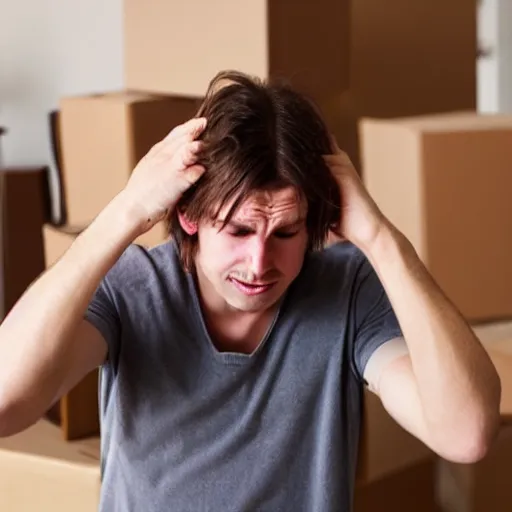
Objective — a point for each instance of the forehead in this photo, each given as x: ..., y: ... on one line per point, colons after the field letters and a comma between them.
x: 270, y: 205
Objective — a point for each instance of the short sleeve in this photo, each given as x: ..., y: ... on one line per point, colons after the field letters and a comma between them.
x: 103, y: 314
x: 374, y: 318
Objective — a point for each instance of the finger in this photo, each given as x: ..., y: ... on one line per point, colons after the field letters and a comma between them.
x: 193, y: 173
x: 191, y: 129
x: 339, y: 152
x: 331, y: 159
x: 187, y: 153
x: 334, y: 161
x: 341, y: 159
x: 172, y: 143
x: 334, y: 145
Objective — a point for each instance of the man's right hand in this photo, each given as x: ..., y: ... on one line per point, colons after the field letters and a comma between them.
x: 165, y: 173
x: 42, y: 359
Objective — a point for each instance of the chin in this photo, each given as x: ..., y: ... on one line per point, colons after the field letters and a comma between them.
x: 252, y: 304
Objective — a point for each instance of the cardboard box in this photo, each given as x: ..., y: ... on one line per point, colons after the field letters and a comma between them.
x: 481, y: 487
x: 155, y: 236
x: 178, y: 47
x: 57, y: 240
x: 501, y: 356
x: 445, y: 182
x: 403, y: 62
x: 78, y: 411
x: 385, y: 447
x: 485, y: 485
x: 39, y: 471
x: 497, y: 340
x: 103, y: 137
x: 24, y: 207
x: 410, y: 489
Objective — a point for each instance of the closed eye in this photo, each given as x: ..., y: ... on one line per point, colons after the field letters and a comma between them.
x: 285, y: 235
x: 239, y: 233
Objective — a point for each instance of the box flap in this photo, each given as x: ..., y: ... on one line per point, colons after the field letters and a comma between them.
x: 120, y: 97
x: 449, y: 122
x: 44, y: 440
x: 41, y: 471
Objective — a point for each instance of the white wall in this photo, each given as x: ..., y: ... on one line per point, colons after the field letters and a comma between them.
x: 505, y: 55
x: 495, y: 70
x: 487, y: 67
x: 51, y: 48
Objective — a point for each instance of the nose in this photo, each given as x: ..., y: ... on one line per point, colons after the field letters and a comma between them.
x: 260, y: 257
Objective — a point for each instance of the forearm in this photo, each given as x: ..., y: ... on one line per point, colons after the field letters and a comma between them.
x: 457, y: 384
x: 35, y: 336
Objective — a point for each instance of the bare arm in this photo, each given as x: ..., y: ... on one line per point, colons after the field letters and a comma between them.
x: 446, y: 391
x: 45, y: 345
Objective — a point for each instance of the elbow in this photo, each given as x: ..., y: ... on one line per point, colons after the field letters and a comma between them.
x: 10, y: 419
x: 469, y: 450
x: 471, y: 444
x: 6, y: 420
x: 473, y: 437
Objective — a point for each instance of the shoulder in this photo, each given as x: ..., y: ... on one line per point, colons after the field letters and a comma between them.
x: 140, y: 268
x: 328, y: 278
x: 342, y: 260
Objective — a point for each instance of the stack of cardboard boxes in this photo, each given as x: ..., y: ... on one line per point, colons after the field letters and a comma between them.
x: 24, y: 208
x: 444, y: 181
x: 355, y: 60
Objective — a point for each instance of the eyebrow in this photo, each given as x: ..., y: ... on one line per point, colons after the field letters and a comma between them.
x: 238, y: 225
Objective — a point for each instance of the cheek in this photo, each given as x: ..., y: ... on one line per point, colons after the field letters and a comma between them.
x: 221, y: 253
x: 291, y: 257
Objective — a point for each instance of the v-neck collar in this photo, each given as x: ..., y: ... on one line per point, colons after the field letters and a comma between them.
x: 228, y: 357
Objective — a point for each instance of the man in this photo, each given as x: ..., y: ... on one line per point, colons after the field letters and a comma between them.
x: 234, y: 357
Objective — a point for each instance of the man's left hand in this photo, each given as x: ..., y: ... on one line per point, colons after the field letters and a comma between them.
x: 360, y: 219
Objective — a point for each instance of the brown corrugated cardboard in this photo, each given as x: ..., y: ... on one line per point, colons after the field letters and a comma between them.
x: 79, y: 409
x: 77, y: 412
x: 103, y: 137
x: 407, y: 490
x: 385, y: 446
x: 40, y: 471
x: 501, y: 355
x: 177, y: 48
x: 444, y: 181
x: 481, y: 487
x: 57, y: 240
x: 399, y: 68
x: 155, y: 236
x: 405, y: 62
x: 497, y: 340
x: 24, y: 207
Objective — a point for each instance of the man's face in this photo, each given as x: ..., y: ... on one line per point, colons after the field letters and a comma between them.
x: 248, y: 265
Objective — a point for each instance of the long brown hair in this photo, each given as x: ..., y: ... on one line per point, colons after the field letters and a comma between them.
x: 259, y: 135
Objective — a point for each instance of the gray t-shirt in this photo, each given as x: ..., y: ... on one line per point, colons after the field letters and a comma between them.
x: 186, y: 428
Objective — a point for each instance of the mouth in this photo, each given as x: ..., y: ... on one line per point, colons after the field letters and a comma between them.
x: 252, y: 288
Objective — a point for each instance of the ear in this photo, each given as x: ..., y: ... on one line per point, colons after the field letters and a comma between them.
x: 189, y: 227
